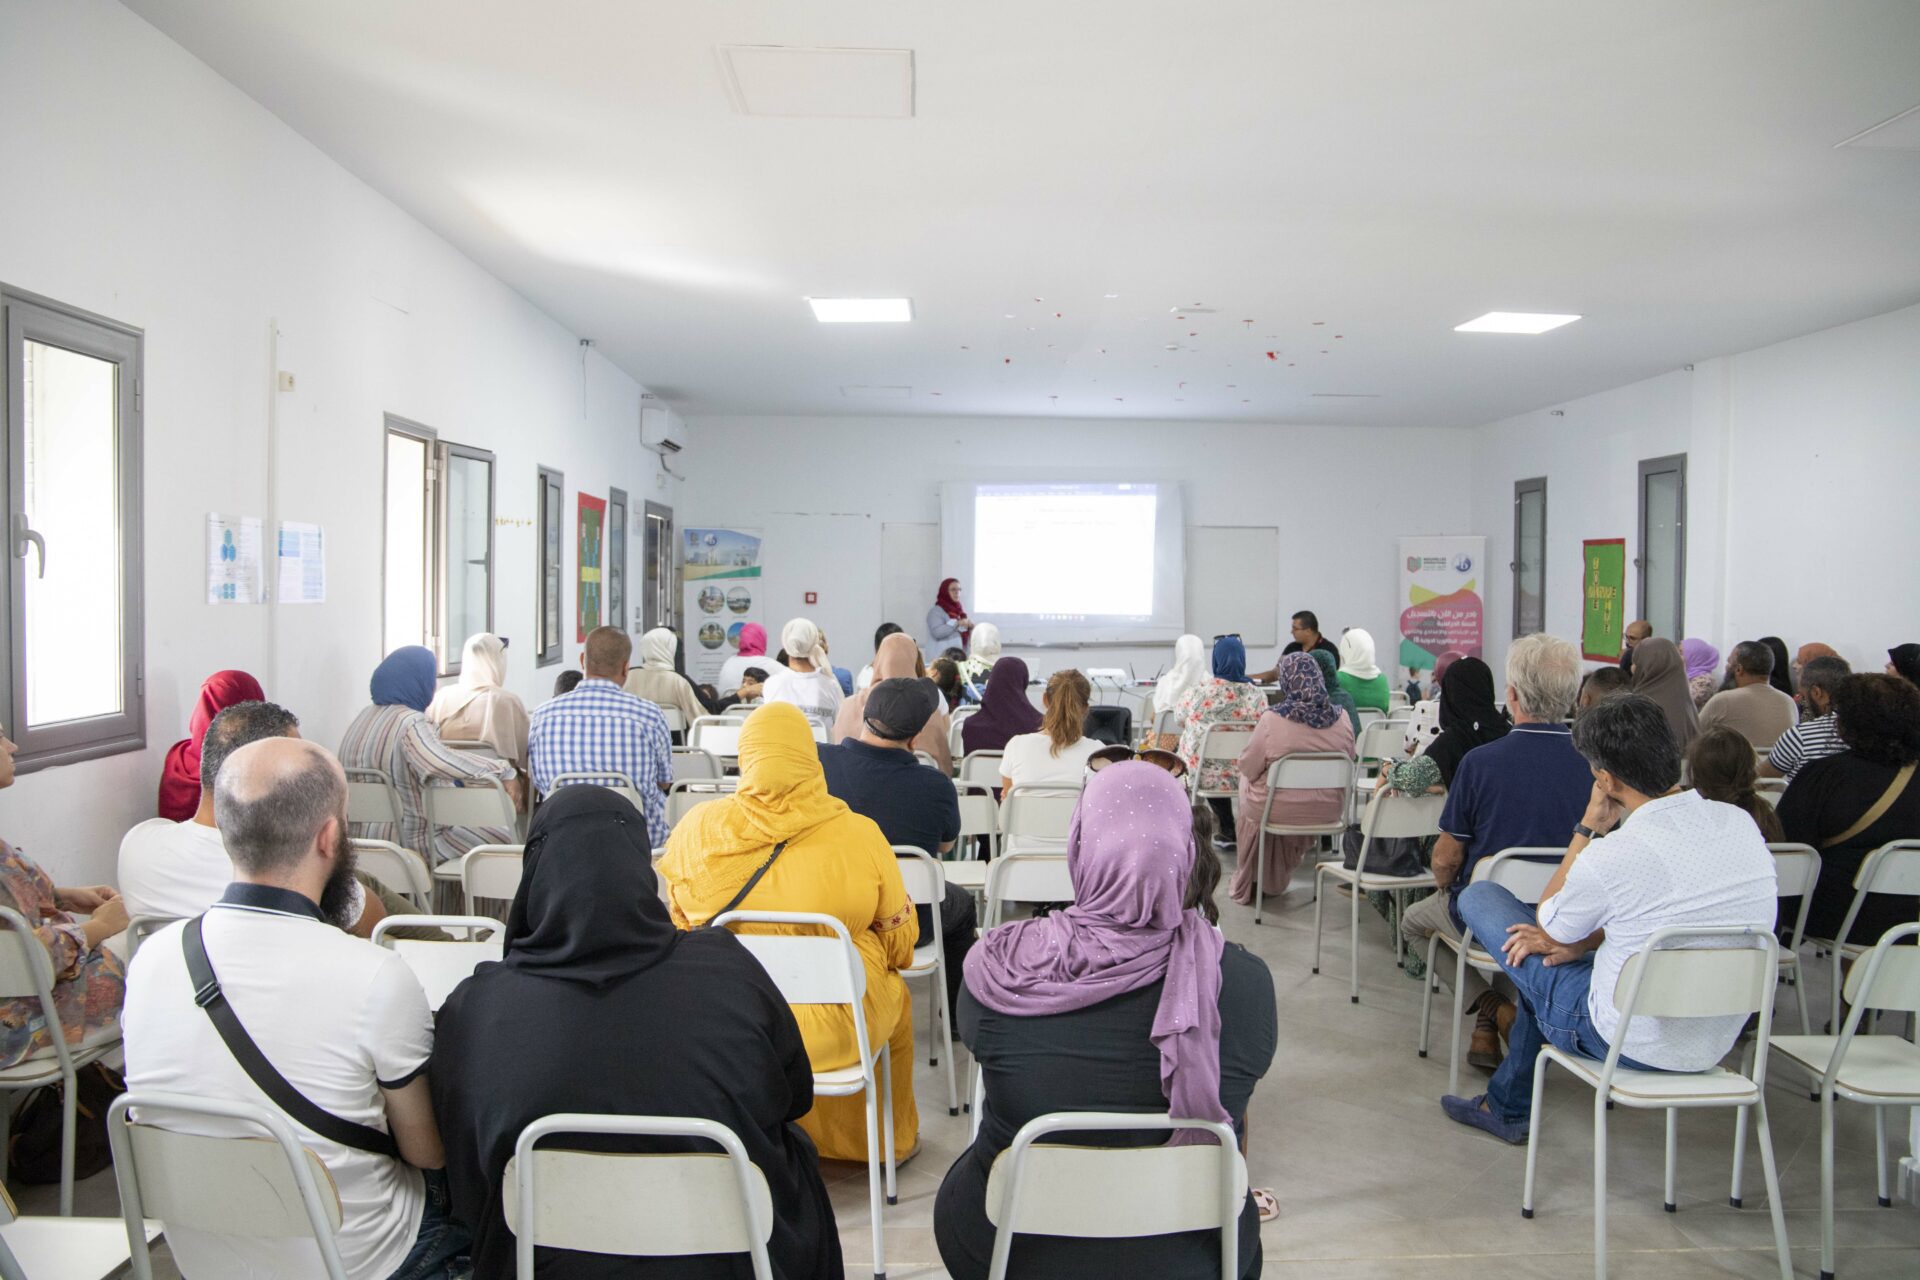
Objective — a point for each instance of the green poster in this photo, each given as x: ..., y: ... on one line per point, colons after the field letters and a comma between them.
x: 1603, y: 592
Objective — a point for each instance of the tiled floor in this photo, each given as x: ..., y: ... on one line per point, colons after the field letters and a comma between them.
x: 1375, y: 1183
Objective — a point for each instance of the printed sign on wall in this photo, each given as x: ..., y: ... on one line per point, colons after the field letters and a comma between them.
x: 1603, y: 588
x: 721, y: 572
x: 1440, y: 606
x: 592, y: 524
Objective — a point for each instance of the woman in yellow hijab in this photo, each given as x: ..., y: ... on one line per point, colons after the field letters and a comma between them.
x: 836, y: 863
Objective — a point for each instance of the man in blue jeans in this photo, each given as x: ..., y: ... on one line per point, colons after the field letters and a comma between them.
x: 1643, y: 857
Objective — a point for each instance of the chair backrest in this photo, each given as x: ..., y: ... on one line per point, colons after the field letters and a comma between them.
x: 267, y: 1188
x: 1390, y: 815
x: 1116, y: 1192
x: 401, y: 870
x: 371, y: 797
x: 1223, y: 742
x: 684, y: 797
x: 696, y: 1202
x: 981, y: 766
x: 1026, y: 877
x: 1522, y: 870
x: 926, y: 758
x: 1368, y: 716
x: 979, y: 814
x: 1686, y: 972
x: 718, y: 734
x: 1401, y: 715
x: 1382, y: 740
x: 695, y: 762
x: 926, y: 882
x: 140, y: 928
x: 618, y: 783
x: 1892, y: 868
x: 477, y: 804
x: 1038, y: 813
x: 1796, y: 868
x: 1888, y: 977
x: 492, y: 871
x: 675, y: 718
x: 809, y: 968
x: 26, y: 969
x: 442, y: 966
x: 1396, y: 698
x: 1311, y: 771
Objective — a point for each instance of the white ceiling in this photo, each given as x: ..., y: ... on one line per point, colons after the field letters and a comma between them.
x: 1337, y: 183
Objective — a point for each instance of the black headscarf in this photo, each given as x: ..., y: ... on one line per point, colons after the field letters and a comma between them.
x: 1906, y: 660
x: 1782, y: 677
x: 1468, y: 716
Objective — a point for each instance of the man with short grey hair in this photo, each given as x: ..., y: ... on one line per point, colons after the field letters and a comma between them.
x: 1753, y: 708
x: 1817, y: 736
x: 342, y: 1021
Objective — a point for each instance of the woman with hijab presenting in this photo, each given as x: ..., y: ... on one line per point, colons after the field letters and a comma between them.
x: 947, y: 621
x: 898, y: 657
x: 1127, y: 1000
x: 1359, y: 675
x: 1005, y: 710
x: 613, y: 1011
x: 1188, y: 670
x: 824, y: 858
x: 656, y: 680
x: 1660, y: 673
x: 1303, y: 720
x: 478, y: 709
x: 180, y: 772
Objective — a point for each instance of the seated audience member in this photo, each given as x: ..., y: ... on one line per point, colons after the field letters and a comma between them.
x: 1903, y: 660
x: 1640, y: 860
x: 1056, y: 754
x: 89, y: 981
x: 1753, y: 708
x: 656, y: 680
x: 1816, y: 736
x: 983, y: 650
x: 875, y: 772
x: 1781, y: 677
x: 1306, y: 638
x: 1358, y: 674
x: 480, y: 708
x: 1703, y: 665
x: 1336, y: 692
x: 1303, y: 720
x: 752, y: 653
x: 567, y: 681
x: 947, y: 621
x: 1005, y: 710
x: 602, y: 727
x: 898, y: 658
x: 1660, y: 673
x: 782, y: 843
x: 1228, y: 698
x: 1636, y: 631
x: 1423, y: 726
x: 682, y: 1024
x: 945, y: 673
x: 1527, y: 787
x: 1807, y: 653
x: 1720, y: 766
x: 180, y: 771
x: 1850, y: 804
x: 1469, y: 717
x: 747, y: 696
x: 885, y: 629
x: 805, y: 679
x: 395, y: 736
x: 1602, y: 682
x: 1189, y: 669
x: 1127, y: 1000
x: 345, y: 1022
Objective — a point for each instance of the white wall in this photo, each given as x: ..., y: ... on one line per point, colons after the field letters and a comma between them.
x: 147, y: 189
x: 822, y: 488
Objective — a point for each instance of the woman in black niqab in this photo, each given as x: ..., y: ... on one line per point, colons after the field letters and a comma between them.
x: 1468, y: 716
x: 600, y: 1005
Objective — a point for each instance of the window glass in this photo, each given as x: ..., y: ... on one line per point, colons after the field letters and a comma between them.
x: 1529, y: 560
x: 406, y: 565
x: 469, y: 499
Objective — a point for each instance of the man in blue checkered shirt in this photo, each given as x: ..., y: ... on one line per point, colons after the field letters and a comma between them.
x: 600, y: 727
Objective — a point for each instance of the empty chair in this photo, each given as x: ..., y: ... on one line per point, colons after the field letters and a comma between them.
x: 927, y: 887
x: 1035, y: 819
x: 1892, y: 870
x: 618, y: 783
x: 401, y: 870
x: 491, y: 872
x: 1797, y: 868
x: 979, y: 816
x: 683, y: 797
x: 1388, y: 815
x: 719, y: 735
x: 372, y: 799
x: 442, y: 966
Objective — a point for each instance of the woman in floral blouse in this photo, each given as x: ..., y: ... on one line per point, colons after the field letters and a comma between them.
x: 1227, y: 698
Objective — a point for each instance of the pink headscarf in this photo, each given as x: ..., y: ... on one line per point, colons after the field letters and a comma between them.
x: 753, y: 640
x: 1130, y: 852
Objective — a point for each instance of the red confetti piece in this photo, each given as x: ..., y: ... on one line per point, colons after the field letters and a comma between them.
x: 1339, y: 335
x: 1008, y: 360
x: 1271, y: 355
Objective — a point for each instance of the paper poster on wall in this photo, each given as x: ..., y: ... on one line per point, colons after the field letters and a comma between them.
x: 721, y: 572
x: 301, y: 550
x: 234, y: 571
x: 1440, y: 606
x: 592, y: 548
x: 1603, y: 586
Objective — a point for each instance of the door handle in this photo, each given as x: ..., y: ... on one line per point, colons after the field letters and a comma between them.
x: 24, y: 536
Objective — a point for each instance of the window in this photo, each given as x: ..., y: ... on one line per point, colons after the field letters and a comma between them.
x: 660, y: 592
x: 438, y: 573
x: 615, y: 541
x: 1663, y: 544
x: 72, y: 627
x: 1529, y: 557
x: 552, y: 515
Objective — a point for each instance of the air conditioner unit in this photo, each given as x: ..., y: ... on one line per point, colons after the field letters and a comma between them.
x: 660, y: 427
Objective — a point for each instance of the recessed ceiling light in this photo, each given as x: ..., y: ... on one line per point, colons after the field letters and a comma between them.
x: 861, y: 310
x: 1514, y: 322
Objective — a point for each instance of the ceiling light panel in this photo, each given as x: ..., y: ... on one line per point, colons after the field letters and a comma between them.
x: 861, y: 310
x: 781, y: 80
x: 1514, y: 322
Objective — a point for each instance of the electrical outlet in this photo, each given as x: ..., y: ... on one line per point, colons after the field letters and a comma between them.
x: 286, y: 380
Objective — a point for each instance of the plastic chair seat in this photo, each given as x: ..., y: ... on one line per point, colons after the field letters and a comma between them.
x: 840, y: 1082
x: 44, y: 1065
x: 1715, y: 1087
x: 924, y: 961
x: 1879, y: 1069
x: 1372, y: 880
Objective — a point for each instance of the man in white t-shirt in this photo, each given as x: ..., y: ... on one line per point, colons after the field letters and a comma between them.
x: 1670, y: 860
x: 345, y: 1022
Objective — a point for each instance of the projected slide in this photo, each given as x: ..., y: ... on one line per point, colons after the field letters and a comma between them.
x: 1070, y: 561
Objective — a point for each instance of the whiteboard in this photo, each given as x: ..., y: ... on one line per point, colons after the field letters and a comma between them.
x: 1233, y: 578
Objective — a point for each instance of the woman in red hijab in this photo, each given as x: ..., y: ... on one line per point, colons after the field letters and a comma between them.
x: 947, y: 621
x: 180, y: 775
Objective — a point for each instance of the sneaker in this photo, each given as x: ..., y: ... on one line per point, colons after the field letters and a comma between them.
x: 1473, y: 1111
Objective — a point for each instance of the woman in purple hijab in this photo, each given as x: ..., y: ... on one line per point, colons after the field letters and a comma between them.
x: 1127, y: 1000
x: 1702, y: 661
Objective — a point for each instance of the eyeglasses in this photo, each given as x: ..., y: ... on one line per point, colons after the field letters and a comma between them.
x: 1167, y: 760
x: 1229, y: 635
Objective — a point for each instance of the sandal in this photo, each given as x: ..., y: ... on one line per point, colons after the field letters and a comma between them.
x: 1267, y: 1203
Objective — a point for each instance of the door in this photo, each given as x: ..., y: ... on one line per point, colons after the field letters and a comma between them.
x: 1663, y: 544
x: 660, y: 590
x: 1529, y: 557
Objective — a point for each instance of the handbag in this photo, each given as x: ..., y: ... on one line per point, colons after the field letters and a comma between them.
x: 1878, y: 809
x: 33, y: 1152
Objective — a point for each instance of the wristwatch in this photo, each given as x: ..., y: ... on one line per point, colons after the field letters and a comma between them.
x: 1582, y: 829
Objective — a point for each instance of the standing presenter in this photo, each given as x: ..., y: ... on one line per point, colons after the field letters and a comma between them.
x: 947, y: 621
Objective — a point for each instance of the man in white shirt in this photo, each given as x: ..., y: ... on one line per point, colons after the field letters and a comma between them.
x: 345, y: 1022
x: 1671, y: 859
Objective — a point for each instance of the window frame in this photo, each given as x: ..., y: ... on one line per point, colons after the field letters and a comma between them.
x: 392, y: 424
x: 1676, y: 463
x: 660, y: 576
x: 619, y: 612
x: 30, y: 316
x: 552, y: 489
x: 1536, y: 484
x: 450, y: 652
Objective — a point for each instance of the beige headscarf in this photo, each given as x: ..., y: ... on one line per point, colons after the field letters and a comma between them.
x: 489, y: 713
x: 801, y: 639
x: 656, y: 649
x: 1660, y: 673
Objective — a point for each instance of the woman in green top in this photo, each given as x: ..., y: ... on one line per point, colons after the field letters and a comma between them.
x: 1336, y: 692
x: 1358, y: 674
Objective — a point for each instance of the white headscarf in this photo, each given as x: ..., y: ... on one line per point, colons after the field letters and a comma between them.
x: 983, y: 650
x: 1356, y: 655
x: 801, y: 639
x: 1189, y: 669
x: 483, y: 670
x: 656, y: 649
x: 483, y: 667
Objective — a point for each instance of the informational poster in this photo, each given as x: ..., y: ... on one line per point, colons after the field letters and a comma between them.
x: 235, y: 574
x: 721, y: 573
x: 302, y: 553
x: 1603, y: 587
x: 593, y: 551
x: 1441, y: 609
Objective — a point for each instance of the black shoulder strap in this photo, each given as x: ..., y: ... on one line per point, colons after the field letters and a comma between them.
x: 752, y: 880
x: 207, y: 994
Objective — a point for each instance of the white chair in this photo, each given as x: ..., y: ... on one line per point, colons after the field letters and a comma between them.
x: 981, y: 767
x: 1380, y: 743
x: 1892, y: 868
x: 492, y: 872
x: 442, y: 966
x: 401, y: 870
x: 1301, y: 771
x: 26, y: 973
x: 1116, y: 1193
x: 719, y: 735
x: 1221, y: 743
x: 1880, y: 1071
x: 265, y: 1187
x: 1401, y: 715
x: 926, y: 758
x: 979, y: 816
x: 1396, y: 699
x: 1021, y: 877
x: 1675, y: 977
x: 927, y: 887
x: 481, y: 804
x: 675, y: 718
x: 1037, y: 817
x: 1388, y: 815
x: 1368, y: 716
x: 1524, y: 872
x: 1797, y: 870
x: 695, y: 762
x: 821, y: 732
x: 684, y: 797
x: 618, y: 783
x: 50, y: 1248
x: 371, y: 799
x: 140, y: 928
x: 815, y: 969
x: 636, y: 1204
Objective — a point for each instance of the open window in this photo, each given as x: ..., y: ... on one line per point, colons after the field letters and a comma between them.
x: 437, y: 577
x: 1529, y: 557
